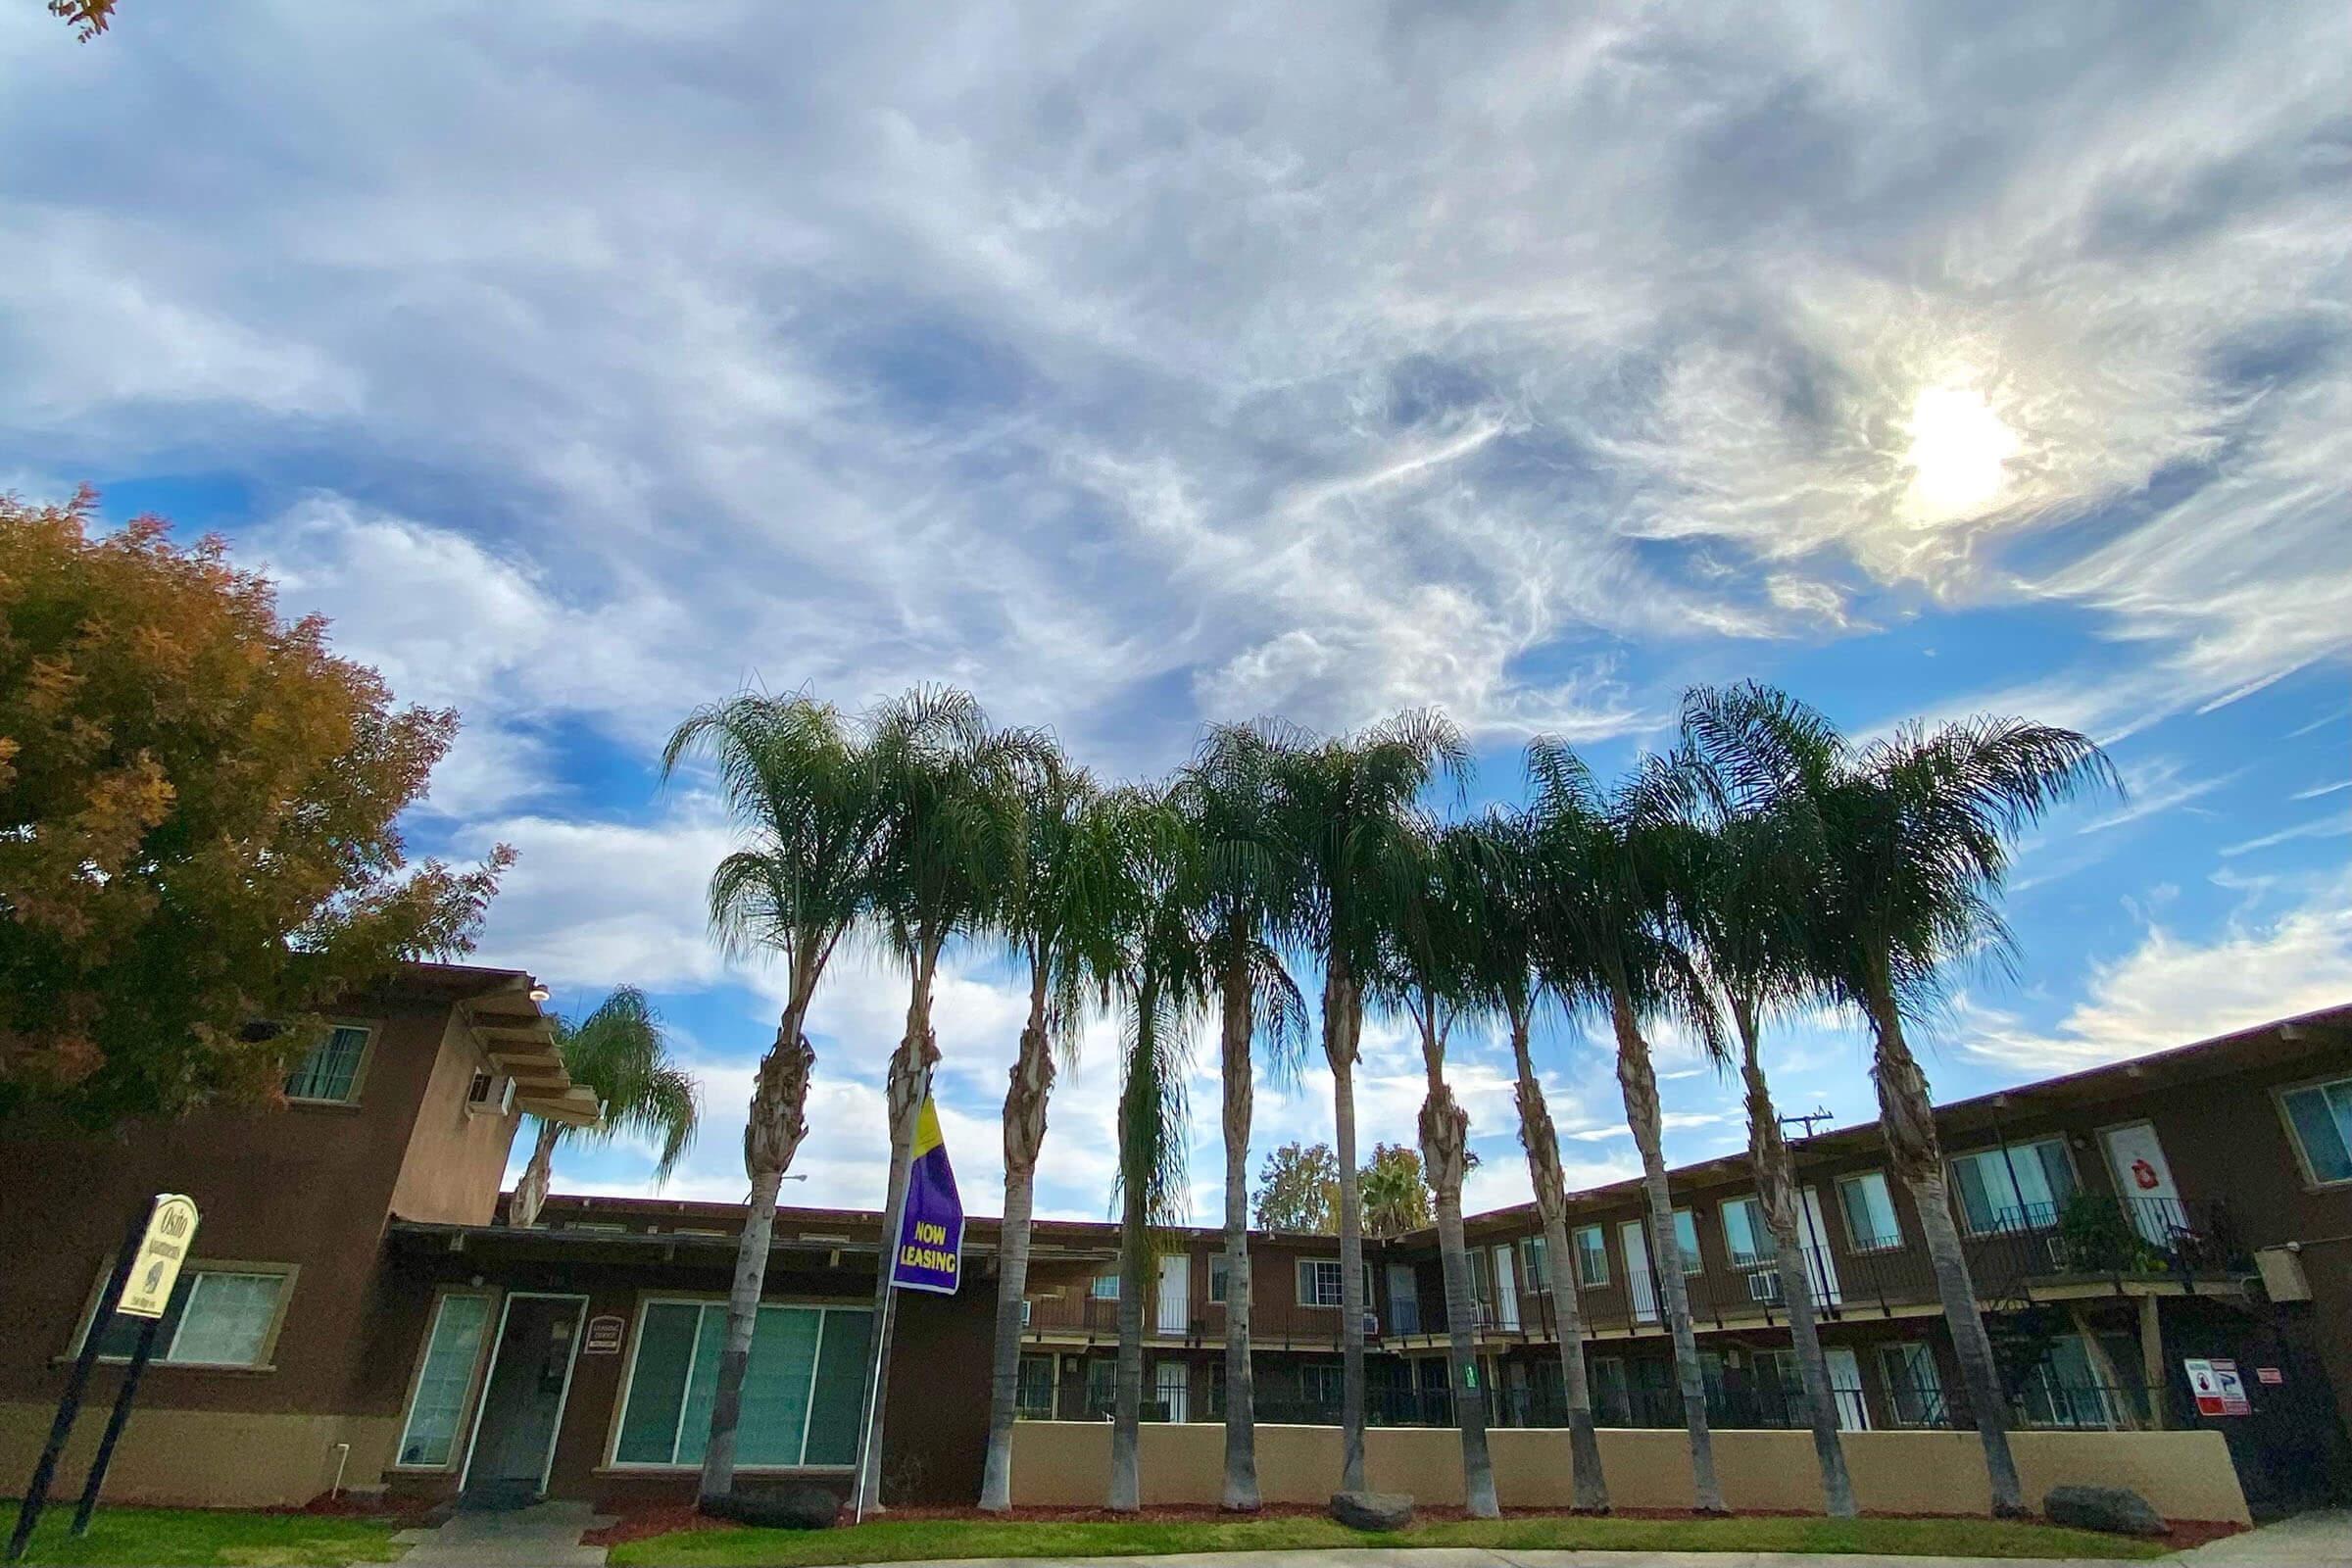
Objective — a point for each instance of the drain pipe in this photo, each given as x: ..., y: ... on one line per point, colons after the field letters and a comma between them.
x: 342, y: 1458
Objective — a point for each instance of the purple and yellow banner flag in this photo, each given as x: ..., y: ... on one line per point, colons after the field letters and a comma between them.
x: 930, y: 1254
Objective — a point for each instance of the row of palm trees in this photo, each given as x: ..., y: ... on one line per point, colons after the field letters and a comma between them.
x: 1759, y: 864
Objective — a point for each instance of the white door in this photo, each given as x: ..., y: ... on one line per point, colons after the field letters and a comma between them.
x: 2145, y: 1180
x: 1639, y: 1288
x: 1171, y: 1386
x: 1845, y: 1389
x: 1813, y: 1238
x: 1506, y: 1290
x: 1175, y: 1294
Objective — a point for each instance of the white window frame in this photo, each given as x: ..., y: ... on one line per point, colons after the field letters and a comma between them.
x: 473, y: 1379
x: 2005, y: 1154
x: 1535, y: 1265
x: 1094, y: 1291
x: 1576, y: 1245
x: 359, y: 1068
x: 1758, y: 1231
x: 2312, y: 1178
x: 1310, y: 1283
x: 1219, y: 1275
x: 1859, y: 1244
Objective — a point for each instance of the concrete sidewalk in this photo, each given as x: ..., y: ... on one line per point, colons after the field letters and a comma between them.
x: 1485, y: 1558
x: 2323, y: 1536
x: 545, y: 1534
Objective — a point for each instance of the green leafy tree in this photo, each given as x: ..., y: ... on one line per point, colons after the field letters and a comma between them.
x: 1612, y: 866
x: 618, y: 1053
x: 1064, y: 914
x: 199, y: 807
x: 799, y: 782
x: 1345, y: 804
x: 1503, y: 979
x: 1298, y: 1189
x: 1242, y: 893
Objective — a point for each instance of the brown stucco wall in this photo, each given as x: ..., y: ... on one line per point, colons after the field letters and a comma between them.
x: 2185, y: 1475
x: 209, y: 1458
x: 457, y: 1157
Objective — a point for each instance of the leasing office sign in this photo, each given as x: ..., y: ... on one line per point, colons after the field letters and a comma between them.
x: 163, y: 1251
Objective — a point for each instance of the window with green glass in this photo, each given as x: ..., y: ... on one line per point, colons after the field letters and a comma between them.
x: 1592, y: 1257
x: 2321, y: 1115
x: 454, y: 1346
x: 801, y: 1387
x: 332, y: 1070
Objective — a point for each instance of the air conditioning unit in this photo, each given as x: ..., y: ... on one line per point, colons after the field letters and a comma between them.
x: 2061, y: 1259
x: 1371, y: 1325
x: 490, y: 1092
x: 1765, y: 1286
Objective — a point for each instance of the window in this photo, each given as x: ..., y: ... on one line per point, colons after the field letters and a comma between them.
x: 1216, y: 1390
x: 1319, y: 1385
x: 1216, y: 1277
x: 1914, y: 1387
x: 1534, y: 1265
x: 1102, y: 1386
x: 1746, y: 1236
x: 1592, y: 1257
x: 800, y: 1391
x: 1612, y: 1399
x: 1870, y: 1222
x: 330, y: 1073
x: 2321, y: 1118
x: 1106, y: 1288
x: 442, y: 1384
x: 1686, y: 1240
x: 1033, y: 1398
x: 2013, y: 1186
x: 218, y: 1316
x: 1319, y: 1282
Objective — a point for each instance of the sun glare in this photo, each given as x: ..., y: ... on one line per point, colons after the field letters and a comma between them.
x: 1958, y: 445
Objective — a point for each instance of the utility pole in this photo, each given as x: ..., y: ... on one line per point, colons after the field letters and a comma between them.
x: 1807, y: 1120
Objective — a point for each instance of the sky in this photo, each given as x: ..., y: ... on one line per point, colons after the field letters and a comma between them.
x: 1141, y: 365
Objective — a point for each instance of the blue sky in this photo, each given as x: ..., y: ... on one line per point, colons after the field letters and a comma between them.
x: 1145, y: 365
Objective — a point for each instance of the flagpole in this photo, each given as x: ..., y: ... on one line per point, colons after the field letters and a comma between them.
x: 865, y: 1457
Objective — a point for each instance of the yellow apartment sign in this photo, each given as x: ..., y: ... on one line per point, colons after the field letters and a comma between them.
x: 170, y: 1233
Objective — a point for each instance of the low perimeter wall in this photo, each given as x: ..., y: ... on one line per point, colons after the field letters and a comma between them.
x: 203, y: 1458
x: 2185, y: 1475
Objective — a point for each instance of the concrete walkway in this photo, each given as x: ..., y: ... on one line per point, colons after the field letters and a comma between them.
x: 2323, y: 1536
x: 1485, y: 1557
x: 546, y: 1534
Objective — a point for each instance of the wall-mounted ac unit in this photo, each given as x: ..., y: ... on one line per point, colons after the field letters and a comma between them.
x: 1371, y: 1325
x: 1765, y: 1286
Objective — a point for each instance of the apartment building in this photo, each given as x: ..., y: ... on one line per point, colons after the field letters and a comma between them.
x: 359, y: 1315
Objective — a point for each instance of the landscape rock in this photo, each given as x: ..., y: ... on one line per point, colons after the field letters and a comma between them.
x: 2117, y: 1510
x: 794, y: 1505
x: 1372, y: 1510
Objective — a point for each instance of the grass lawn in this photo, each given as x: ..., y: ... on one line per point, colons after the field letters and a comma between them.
x: 169, y: 1537
x: 907, y: 1540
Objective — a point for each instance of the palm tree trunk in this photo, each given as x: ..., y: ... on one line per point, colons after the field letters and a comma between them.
x: 905, y: 1089
x: 1135, y: 1251
x: 530, y: 1188
x: 772, y: 1135
x: 1445, y: 1148
x: 1913, y: 1147
x: 1240, y: 1412
x: 1640, y: 1084
x: 1778, y: 1195
x: 1541, y: 1141
x: 1343, y: 1017
x: 1024, y: 1136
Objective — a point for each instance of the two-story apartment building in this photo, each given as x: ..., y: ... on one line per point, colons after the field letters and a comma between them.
x: 359, y: 1315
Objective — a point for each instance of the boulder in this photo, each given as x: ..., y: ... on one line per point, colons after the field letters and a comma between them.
x: 1372, y: 1510
x: 2117, y: 1510
x: 791, y: 1505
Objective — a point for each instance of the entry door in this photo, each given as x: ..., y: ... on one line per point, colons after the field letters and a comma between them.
x: 1171, y: 1386
x: 1813, y: 1236
x: 522, y: 1402
x: 1506, y: 1290
x: 1405, y: 1300
x: 1175, y: 1294
x: 1640, y: 1286
x: 2142, y: 1177
x: 1845, y: 1387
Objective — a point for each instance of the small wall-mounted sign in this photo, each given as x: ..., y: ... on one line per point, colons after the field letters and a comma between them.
x: 2268, y: 1374
x: 2218, y: 1387
x: 604, y: 1335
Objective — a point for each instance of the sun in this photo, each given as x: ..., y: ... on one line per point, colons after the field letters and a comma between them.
x: 1958, y: 445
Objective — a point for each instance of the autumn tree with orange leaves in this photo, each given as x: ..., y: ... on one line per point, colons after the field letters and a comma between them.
x: 198, y: 802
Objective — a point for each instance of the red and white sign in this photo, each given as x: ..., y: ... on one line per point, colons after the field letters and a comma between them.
x: 2271, y: 1375
x: 2218, y: 1387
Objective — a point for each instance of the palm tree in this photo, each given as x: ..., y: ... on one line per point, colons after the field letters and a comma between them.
x: 1345, y: 804
x: 1427, y: 903
x: 801, y: 785
x: 1165, y: 981
x: 618, y: 1053
x: 1503, y: 978
x: 1396, y: 1192
x: 951, y: 842
x: 1754, y: 920
x: 1064, y: 915
x: 1611, y: 938
x: 1919, y: 827
x: 1242, y: 892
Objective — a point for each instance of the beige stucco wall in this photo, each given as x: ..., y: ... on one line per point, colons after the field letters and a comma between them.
x: 215, y: 1458
x: 2185, y: 1475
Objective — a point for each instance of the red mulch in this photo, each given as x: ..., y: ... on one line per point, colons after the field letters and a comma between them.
x: 638, y: 1523
x: 352, y: 1505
